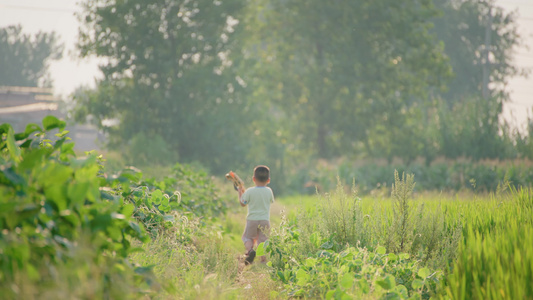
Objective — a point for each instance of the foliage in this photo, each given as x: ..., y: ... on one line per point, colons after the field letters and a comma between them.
x: 236, y: 83
x: 340, y: 248
x: 344, y: 70
x: 161, y: 205
x: 25, y: 58
x: 478, y: 135
x: 191, y: 261
x: 496, y: 261
x: 53, y: 211
x: 169, y: 60
x: 524, y: 140
x: 442, y: 175
x: 69, y: 229
x: 402, y: 210
x: 462, y: 26
x: 64, y: 218
x: 352, y: 272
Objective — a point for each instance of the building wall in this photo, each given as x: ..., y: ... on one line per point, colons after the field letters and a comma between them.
x: 20, y: 106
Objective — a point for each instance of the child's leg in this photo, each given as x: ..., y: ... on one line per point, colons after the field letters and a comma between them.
x: 249, y: 244
x: 248, y: 237
x: 262, y: 235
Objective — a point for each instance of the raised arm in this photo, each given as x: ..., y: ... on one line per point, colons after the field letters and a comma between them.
x: 241, y: 191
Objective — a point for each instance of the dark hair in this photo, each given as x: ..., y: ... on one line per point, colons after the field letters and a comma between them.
x: 262, y: 173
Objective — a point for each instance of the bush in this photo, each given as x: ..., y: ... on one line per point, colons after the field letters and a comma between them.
x: 484, y: 176
x: 54, y: 216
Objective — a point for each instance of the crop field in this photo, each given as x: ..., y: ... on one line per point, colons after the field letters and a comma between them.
x: 72, y: 231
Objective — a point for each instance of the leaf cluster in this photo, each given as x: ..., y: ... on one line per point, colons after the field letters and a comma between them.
x: 54, y: 204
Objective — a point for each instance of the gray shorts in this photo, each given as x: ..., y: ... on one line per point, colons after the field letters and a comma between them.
x: 256, y: 231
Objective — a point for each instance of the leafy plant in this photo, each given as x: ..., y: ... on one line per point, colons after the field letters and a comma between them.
x: 402, y: 209
x: 52, y: 205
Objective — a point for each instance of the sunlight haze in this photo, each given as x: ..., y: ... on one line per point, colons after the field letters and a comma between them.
x: 71, y: 71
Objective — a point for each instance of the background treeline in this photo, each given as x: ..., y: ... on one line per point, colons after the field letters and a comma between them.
x: 376, y: 177
x: 231, y: 84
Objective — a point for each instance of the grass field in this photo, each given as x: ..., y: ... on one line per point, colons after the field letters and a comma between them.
x: 450, y: 246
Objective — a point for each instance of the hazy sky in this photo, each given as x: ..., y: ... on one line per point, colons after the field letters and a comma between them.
x: 71, y: 72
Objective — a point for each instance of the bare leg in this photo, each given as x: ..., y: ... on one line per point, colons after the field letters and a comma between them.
x: 249, y: 245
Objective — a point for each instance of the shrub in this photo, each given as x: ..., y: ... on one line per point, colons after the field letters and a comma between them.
x: 53, y: 213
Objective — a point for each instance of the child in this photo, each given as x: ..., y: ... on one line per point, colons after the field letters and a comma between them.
x: 258, y: 199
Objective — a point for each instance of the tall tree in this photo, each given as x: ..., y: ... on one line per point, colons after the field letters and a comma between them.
x: 480, y: 39
x: 25, y: 58
x: 349, y: 73
x: 167, y: 75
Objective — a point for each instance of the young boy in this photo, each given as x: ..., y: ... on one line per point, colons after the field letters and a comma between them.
x: 258, y: 199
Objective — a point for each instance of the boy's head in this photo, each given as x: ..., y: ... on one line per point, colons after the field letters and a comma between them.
x: 262, y: 174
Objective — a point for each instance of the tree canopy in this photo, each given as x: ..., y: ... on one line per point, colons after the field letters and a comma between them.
x: 25, y: 58
x: 229, y: 83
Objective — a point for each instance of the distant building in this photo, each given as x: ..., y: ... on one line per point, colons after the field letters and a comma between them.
x: 20, y: 106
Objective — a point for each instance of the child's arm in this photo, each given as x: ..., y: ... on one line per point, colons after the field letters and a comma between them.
x: 241, y: 191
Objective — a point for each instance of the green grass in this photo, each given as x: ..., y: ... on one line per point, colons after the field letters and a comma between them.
x: 473, y: 227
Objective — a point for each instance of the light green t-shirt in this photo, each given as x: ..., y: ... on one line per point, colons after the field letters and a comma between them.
x: 258, y: 199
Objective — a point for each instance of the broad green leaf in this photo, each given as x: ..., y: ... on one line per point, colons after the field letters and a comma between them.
x: 404, y: 255
x: 77, y: 192
x: 381, y: 250
x: 260, y: 251
x: 324, y: 253
x: 156, y: 196
x: 33, y: 158
x: 128, y: 209
x: 169, y: 218
x: 388, y: 282
x: 392, y: 296
x: 62, y: 133
x: 4, y: 128
x: 132, y: 174
x: 12, y: 147
x: 135, y: 227
x: 417, y: 283
x: 51, y: 122
x: 54, y: 174
x: 310, y: 262
x: 363, y: 285
x: 164, y: 200
x: 302, y: 277
x: 13, y: 177
x: 327, y: 245
x: 281, y: 276
x: 68, y: 148
x: 402, y: 290
x: 346, y: 281
x: 114, y: 233
x: 71, y: 218
x: 31, y: 128
x: 58, y: 195
x: 424, y: 273
x: 33, y: 273
x: 144, y: 270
